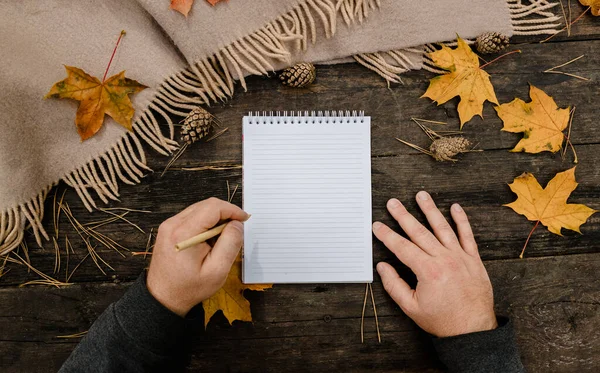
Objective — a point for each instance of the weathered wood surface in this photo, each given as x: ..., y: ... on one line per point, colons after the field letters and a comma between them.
x: 553, y: 301
x: 553, y: 295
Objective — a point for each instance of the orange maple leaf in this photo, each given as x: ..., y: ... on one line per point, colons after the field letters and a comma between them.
x: 464, y: 78
x: 230, y: 298
x: 549, y: 205
x: 184, y: 6
x: 97, y: 98
x: 541, y: 121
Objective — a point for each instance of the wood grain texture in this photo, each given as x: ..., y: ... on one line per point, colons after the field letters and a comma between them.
x: 553, y: 295
x: 553, y: 303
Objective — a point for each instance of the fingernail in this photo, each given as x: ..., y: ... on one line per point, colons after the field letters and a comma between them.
x: 423, y: 196
x: 237, y: 225
x: 247, y: 217
x: 393, y: 203
x: 377, y: 225
x: 456, y: 208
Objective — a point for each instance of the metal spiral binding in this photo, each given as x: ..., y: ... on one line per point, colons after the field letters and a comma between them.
x: 312, y: 117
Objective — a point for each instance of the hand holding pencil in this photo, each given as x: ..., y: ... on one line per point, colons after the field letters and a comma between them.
x: 180, y: 279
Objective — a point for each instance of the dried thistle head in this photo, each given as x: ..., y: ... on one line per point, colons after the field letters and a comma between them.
x: 445, y: 148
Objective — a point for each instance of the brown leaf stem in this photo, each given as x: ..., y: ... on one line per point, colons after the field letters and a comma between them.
x: 499, y: 57
x: 113, y: 55
x: 528, y: 237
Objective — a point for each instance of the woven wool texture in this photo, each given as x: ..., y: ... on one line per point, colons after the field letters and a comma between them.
x: 176, y: 58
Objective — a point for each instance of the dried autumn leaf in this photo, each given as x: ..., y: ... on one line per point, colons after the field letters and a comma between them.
x: 540, y: 120
x: 594, y: 4
x: 464, y: 79
x: 549, y: 205
x: 230, y: 298
x: 97, y: 99
x: 182, y: 6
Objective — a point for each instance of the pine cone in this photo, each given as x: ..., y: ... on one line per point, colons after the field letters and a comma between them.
x: 196, y: 125
x: 445, y: 148
x: 299, y: 75
x: 491, y: 42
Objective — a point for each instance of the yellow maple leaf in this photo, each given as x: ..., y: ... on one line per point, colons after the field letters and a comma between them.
x: 230, y: 298
x: 594, y: 4
x: 540, y: 120
x: 549, y: 205
x: 464, y: 79
x: 97, y: 99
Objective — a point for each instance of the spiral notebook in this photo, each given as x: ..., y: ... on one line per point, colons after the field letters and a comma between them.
x: 307, y: 184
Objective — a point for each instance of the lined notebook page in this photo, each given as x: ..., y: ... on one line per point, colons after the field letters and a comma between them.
x: 307, y: 184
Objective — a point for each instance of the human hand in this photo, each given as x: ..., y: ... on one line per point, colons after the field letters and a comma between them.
x: 182, y: 279
x: 453, y: 295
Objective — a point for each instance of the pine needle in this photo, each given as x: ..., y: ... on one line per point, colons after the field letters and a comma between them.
x: 424, y: 151
x: 148, y: 247
x: 217, y: 134
x: 375, y: 312
x: 83, y: 232
x: 553, y: 70
x: 2, y: 271
x: 175, y: 157
x: 212, y: 168
x: 77, y: 266
x: 56, y: 256
x: 417, y: 120
x: 98, y: 223
x: 568, y: 25
x: 46, y: 280
x: 230, y: 195
x: 76, y: 335
x: 127, y: 209
x: 568, y: 139
x: 67, y: 246
x: 25, y: 250
x: 121, y: 217
x: 362, y: 317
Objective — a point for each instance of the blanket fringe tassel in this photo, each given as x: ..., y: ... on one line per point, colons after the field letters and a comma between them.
x: 528, y: 18
x: 203, y: 82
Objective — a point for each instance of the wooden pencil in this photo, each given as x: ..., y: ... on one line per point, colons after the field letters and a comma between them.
x: 202, y: 237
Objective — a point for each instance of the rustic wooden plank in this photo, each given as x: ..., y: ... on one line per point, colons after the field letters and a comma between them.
x: 553, y: 301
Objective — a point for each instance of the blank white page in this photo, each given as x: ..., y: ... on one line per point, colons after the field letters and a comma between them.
x: 307, y: 185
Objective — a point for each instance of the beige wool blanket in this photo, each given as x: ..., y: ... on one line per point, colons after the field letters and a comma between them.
x: 188, y: 62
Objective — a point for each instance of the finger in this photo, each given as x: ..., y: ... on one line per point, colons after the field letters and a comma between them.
x: 442, y: 230
x: 415, y: 230
x: 408, y: 253
x: 396, y: 287
x: 220, y: 259
x: 204, y: 215
x: 465, y: 233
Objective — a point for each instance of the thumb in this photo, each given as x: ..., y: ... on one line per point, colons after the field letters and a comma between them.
x: 396, y: 287
x: 223, y: 254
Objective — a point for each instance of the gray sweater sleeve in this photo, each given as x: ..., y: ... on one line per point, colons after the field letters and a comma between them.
x: 490, y: 351
x: 134, y: 334
x: 138, y: 334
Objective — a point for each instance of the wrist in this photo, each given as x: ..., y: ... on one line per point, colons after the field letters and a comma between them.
x: 480, y: 323
x: 167, y: 298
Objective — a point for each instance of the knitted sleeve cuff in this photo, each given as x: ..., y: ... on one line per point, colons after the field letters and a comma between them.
x: 488, y: 351
x: 146, y: 321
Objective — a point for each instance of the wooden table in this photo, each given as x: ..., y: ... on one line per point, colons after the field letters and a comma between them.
x: 553, y: 295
